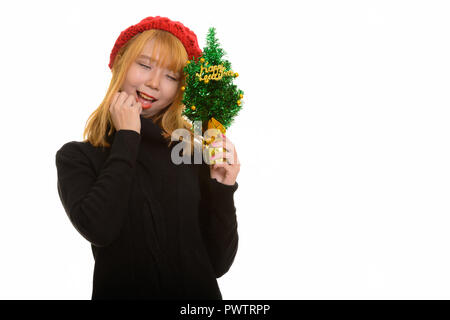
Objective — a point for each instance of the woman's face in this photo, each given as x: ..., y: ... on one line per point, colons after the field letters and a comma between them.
x: 154, y: 87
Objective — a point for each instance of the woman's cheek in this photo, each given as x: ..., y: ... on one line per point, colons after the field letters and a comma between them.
x: 174, y: 87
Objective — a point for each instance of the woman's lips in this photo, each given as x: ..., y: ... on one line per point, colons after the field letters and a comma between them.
x: 146, y: 104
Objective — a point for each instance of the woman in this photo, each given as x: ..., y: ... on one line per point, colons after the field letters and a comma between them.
x: 157, y: 230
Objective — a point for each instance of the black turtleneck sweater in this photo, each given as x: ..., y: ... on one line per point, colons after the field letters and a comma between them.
x: 157, y: 230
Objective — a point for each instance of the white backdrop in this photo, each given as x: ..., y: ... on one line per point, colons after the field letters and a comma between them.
x: 343, y: 139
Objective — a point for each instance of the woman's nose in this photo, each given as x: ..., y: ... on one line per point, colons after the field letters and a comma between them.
x: 153, y: 81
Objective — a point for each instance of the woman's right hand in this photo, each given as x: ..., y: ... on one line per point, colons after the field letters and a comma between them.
x: 125, y: 112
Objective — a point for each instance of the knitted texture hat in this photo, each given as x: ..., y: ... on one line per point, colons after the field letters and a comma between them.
x: 186, y: 36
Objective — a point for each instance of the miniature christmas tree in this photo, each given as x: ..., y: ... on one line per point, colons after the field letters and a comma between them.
x: 210, y: 95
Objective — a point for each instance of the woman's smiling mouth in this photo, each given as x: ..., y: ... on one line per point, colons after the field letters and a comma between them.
x: 145, y: 100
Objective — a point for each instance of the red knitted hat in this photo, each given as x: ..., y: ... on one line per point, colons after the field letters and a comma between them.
x: 186, y: 36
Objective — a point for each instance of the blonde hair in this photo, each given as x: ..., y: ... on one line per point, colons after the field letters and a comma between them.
x: 173, y: 57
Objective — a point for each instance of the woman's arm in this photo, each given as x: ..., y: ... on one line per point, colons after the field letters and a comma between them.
x: 97, y: 205
x: 218, y: 221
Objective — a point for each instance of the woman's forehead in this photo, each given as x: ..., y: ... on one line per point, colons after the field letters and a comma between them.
x: 150, y: 52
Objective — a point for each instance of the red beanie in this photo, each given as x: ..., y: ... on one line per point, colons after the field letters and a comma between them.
x: 186, y: 36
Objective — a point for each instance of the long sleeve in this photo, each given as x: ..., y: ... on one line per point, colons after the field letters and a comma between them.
x: 97, y: 205
x: 218, y: 222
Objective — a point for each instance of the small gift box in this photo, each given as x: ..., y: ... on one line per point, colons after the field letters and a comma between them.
x: 214, y: 133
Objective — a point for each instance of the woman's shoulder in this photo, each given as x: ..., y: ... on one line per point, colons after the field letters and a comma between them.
x: 84, y: 151
x: 82, y: 147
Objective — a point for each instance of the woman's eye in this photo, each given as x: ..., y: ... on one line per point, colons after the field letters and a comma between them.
x: 145, y: 66
x: 172, y: 78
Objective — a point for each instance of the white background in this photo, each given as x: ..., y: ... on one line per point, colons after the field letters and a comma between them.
x: 343, y: 139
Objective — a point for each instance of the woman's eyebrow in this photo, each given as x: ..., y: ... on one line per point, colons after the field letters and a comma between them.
x: 142, y: 56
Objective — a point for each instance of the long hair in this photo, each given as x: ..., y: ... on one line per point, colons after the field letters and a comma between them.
x: 173, y: 56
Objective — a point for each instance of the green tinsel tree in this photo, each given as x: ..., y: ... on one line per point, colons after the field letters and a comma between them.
x: 205, y: 95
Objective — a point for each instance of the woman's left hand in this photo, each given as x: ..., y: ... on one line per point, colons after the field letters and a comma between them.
x: 225, y: 172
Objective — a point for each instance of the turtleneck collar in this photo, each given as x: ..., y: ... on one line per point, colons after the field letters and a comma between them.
x: 150, y: 131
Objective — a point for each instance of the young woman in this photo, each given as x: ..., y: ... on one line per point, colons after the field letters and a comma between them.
x: 157, y: 230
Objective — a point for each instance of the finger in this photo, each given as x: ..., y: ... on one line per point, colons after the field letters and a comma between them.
x: 130, y: 101
x: 122, y: 96
x: 231, y: 158
x: 223, y: 144
x: 138, y: 106
x: 228, y: 156
x: 229, y: 146
x: 237, y: 159
x: 224, y: 165
x: 227, y: 142
x: 114, y: 98
x: 217, y: 144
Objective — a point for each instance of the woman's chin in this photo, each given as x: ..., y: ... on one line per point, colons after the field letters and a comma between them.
x: 146, y: 114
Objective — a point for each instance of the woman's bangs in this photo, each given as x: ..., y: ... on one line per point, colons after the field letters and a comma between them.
x: 172, y: 54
